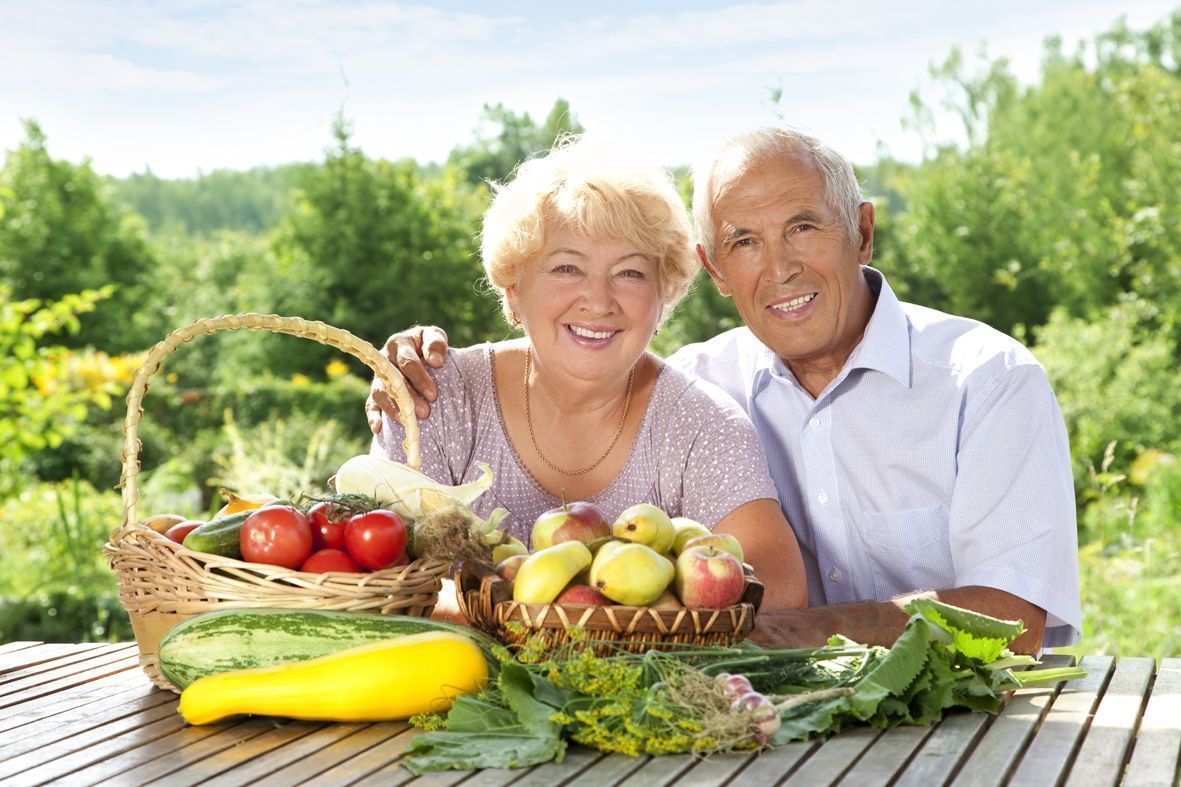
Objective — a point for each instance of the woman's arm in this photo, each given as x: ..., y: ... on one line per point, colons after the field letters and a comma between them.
x: 770, y: 548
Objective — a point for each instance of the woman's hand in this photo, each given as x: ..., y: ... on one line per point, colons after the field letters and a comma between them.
x: 407, y: 350
x: 772, y: 551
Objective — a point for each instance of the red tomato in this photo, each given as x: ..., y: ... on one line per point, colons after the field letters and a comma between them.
x: 330, y: 560
x: 178, y: 531
x: 328, y: 523
x: 279, y: 535
x: 377, y: 539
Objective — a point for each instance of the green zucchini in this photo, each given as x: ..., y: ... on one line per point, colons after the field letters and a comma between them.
x: 224, y: 640
x: 220, y: 536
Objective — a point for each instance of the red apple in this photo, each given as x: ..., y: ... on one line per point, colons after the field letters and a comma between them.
x: 708, y: 578
x: 582, y: 594
x: 507, y: 568
x: 573, y: 522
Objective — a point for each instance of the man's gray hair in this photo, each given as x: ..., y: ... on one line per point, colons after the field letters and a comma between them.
x: 746, y: 150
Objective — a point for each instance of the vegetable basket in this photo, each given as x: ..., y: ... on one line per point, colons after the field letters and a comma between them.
x: 162, y: 583
x: 486, y: 601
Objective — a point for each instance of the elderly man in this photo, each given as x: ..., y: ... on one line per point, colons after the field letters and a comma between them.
x: 915, y: 452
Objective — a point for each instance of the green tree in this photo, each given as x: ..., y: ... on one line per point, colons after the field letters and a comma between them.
x: 373, y: 246
x: 59, y: 234
x: 504, y: 139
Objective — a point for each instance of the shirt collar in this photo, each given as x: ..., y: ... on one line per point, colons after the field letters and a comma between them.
x: 885, y: 346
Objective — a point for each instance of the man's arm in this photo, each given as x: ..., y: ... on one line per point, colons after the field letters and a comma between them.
x: 407, y: 350
x: 881, y: 622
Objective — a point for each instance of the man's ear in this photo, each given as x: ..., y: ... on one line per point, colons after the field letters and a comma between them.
x: 865, y: 218
x: 714, y: 272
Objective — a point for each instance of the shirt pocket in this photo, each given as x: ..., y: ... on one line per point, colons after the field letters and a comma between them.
x: 909, y: 550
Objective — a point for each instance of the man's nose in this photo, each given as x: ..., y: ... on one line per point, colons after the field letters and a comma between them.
x: 782, y: 263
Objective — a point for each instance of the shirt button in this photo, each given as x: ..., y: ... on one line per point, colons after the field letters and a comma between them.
x: 834, y: 575
x: 814, y: 423
x: 822, y: 497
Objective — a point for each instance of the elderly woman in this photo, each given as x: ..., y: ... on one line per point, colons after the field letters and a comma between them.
x: 588, y: 256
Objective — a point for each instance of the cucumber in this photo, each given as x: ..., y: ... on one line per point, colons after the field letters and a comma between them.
x: 224, y: 640
x: 220, y: 536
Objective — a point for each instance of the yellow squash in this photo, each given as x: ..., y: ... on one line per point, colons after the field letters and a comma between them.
x: 382, y: 681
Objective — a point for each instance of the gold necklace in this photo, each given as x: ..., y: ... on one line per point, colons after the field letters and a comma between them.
x: 627, y: 401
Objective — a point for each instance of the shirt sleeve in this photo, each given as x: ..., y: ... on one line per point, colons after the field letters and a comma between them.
x: 440, y: 433
x: 724, y: 466
x: 1012, y: 513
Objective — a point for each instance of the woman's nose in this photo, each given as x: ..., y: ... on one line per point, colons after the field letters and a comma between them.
x: 597, y: 296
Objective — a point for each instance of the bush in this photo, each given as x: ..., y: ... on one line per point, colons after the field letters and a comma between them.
x: 69, y: 615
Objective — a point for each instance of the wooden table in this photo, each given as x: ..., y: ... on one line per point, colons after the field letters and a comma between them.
x: 86, y: 714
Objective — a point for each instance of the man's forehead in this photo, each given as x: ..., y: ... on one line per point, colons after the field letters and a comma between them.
x: 784, y: 180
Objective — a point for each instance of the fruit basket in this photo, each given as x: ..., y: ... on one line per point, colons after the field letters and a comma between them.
x: 162, y: 583
x: 486, y: 601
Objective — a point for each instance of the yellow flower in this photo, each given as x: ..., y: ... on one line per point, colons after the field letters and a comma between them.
x: 336, y: 369
x: 300, y: 379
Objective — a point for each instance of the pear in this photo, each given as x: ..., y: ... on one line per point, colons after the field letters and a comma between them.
x: 511, y: 546
x: 645, y: 524
x: 545, y: 573
x: 723, y: 541
x: 686, y: 529
x: 632, y: 574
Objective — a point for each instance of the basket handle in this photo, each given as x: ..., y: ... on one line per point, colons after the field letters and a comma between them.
x: 293, y: 326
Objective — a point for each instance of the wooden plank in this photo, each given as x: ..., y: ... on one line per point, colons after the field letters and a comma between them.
x: 550, y: 774
x: 773, y: 765
x: 659, y: 771
x: 8, y: 647
x: 944, y: 749
x: 1155, y: 753
x: 19, y: 714
x: 1104, y: 752
x: 1005, y: 739
x: 887, y: 756
x: 1050, y: 753
x: 65, y: 727
x: 716, y: 769
x: 389, y: 741
x: 224, y: 761
x: 99, y: 745
x: 610, y: 769
x: 378, y: 765
x: 834, y: 757
x: 303, y: 758
x: 20, y: 660
x: 174, y: 752
x: 67, y: 676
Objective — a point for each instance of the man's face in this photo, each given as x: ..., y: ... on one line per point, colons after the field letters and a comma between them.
x: 790, y: 266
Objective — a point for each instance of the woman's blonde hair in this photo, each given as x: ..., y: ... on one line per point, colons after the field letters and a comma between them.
x: 595, y: 192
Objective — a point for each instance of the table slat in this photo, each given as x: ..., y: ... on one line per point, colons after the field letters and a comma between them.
x: 1005, y: 738
x: 549, y: 774
x: 829, y: 761
x: 1104, y: 752
x: 887, y: 756
x: 389, y: 742
x: 660, y: 771
x: 1063, y: 728
x: 1155, y: 753
x: 944, y: 749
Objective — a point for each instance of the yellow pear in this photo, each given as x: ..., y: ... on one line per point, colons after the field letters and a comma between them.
x: 633, y: 574
x: 686, y: 529
x: 600, y: 557
x: 512, y: 546
x: 546, y: 572
x: 723, y: 541
x: 645, y: 524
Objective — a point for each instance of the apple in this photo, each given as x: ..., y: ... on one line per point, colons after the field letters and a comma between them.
x: 723, y: 541
x: 686, y: 529
x: 507, y: 568
x: 579, y: 521
x: 582, y: 594
x: 708, y: 578
x: 512, y: 546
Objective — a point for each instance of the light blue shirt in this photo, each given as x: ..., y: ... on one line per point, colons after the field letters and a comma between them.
x: 936, y: 459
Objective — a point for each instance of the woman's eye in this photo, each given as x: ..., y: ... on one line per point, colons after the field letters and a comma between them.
x: 565, y: 269
x: 632, y: 273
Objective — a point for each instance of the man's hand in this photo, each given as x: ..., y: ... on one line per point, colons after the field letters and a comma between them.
x: 407, y: 350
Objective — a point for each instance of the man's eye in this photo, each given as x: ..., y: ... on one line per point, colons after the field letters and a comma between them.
x: 744, y: 242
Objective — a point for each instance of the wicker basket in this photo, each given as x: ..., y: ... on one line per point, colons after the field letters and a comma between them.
x: 161, y: 583
x: 486, y: 601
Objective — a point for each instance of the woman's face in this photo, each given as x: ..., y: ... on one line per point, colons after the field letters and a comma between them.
x: 589, y: 307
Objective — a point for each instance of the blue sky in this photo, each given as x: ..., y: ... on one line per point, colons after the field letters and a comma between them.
x: 192, y: 86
